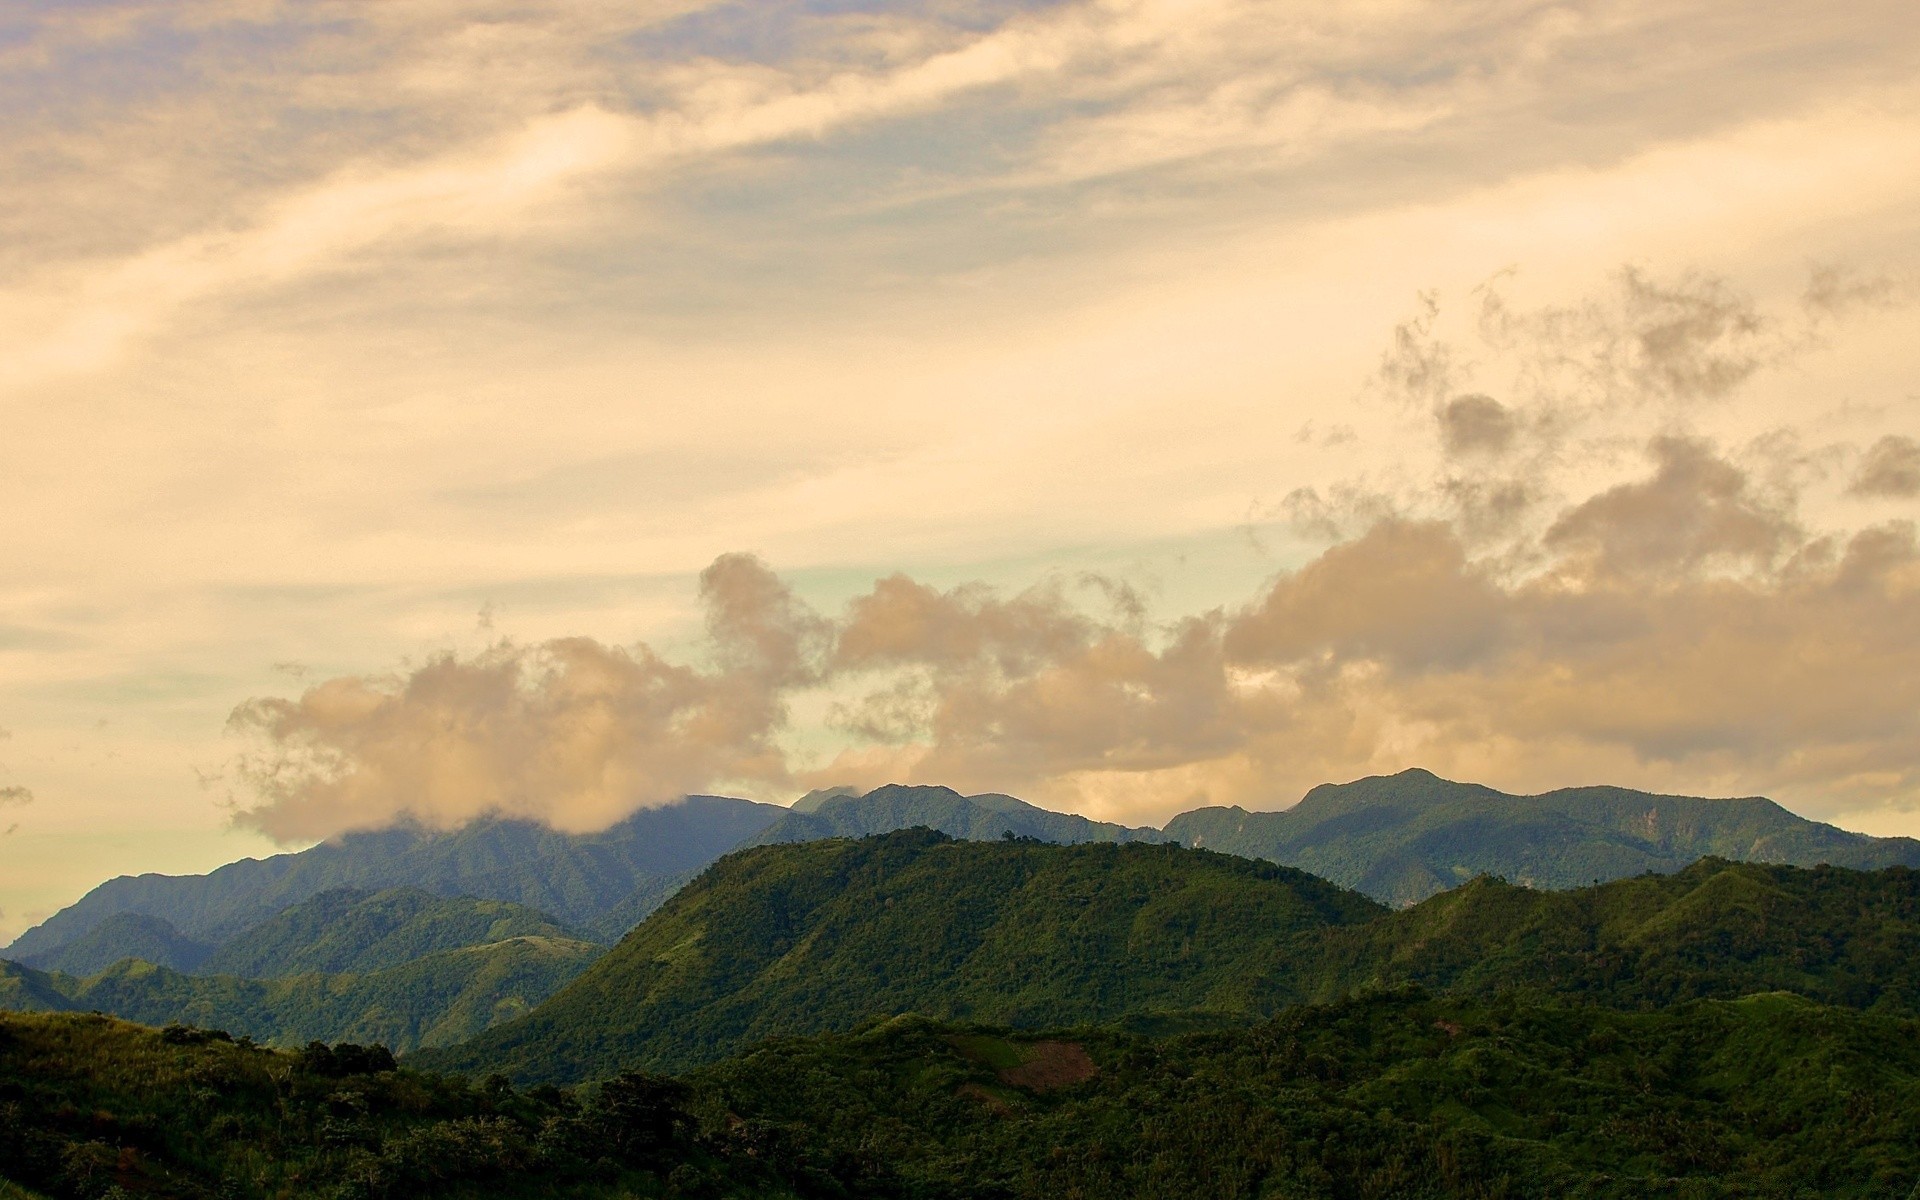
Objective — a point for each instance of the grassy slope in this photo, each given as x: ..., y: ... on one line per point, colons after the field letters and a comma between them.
x: 438, y: 999
x: 349, y: 930
x: 1401, y: 838
x: 819, y: 935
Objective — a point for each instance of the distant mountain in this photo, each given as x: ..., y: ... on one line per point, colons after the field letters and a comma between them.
x: 436, y: 999
x: 348, y: 930
x: 842, y: 812
x: 1401, y: 838
x: 123, y: 935
x: 816, y: 936
x: 578, y: 878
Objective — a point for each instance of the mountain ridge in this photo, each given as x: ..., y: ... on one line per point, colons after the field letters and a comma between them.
x: 575, y: 878
x: 1406, y: 836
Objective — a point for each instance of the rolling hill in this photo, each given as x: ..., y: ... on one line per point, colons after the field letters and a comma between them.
x: 579, y: 879
x: 1401, y: 838
x: 816, y: 936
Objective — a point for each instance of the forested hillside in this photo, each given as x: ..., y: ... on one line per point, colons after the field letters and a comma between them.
x: 353, y: 930
x: 436, y: 999
x: 1401, y: 838
x: 1390, y: 1096
x: 817, y: 936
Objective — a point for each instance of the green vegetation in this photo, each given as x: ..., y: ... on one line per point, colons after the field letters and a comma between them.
x: 1391, y: 1095
x: 1716, y: 929
x: 123, y: 935
x: 1401, y: 838
x: 348, y: 930
x: 578, y: 878
x: 817, y: 936
x: 840, y: 812
x: 437, y: 999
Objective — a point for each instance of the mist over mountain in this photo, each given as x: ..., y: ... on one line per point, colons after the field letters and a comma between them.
x: 578, y: 878
x: 1401, y: 838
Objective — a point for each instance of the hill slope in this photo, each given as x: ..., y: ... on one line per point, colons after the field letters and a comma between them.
x: 839, y: 812
x: 349, y: 930
x: 577, y: 878
x: 1401, y: 838
x: 123, y: 935
x: 1716, y: 929
x: 437, y: 999
x: 819, y: 935
x: 1391, y: 1096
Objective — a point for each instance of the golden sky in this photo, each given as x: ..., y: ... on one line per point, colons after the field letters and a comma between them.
x: 422, y: 408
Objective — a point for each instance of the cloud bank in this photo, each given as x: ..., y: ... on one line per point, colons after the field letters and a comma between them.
x: 1526, y: 611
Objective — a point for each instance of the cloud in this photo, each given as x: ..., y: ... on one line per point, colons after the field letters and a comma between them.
x: 1580, y: 587
x: 571, y: 732
x: 16, y: 794
x: 1696, y: 511
x: 1891, y: 467
x: 1474, y: 424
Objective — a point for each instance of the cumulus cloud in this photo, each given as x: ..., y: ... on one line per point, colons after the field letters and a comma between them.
x: 1539, y: 610
x: 571, y: 731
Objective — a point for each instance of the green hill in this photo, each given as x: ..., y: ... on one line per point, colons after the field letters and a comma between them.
x: 578, y: 878
x: 842, y: 812
x: 437, y: 999
x: 819, y: 935
x: 123, y: 935
x: 1401, y: 838
x: 1392, y: 1096
x: 1716, y: 929
x: 348, y: 930
x: 816, y: 936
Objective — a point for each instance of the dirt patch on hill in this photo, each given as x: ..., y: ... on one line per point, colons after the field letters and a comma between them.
x: 1050, y: 1065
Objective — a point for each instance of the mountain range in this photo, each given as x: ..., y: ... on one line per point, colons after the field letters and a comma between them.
x: 307, y: 945
x: 590, y: 881
x: 1401, y: 838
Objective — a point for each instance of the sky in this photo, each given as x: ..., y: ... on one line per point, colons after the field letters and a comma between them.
x: 419, y: 410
